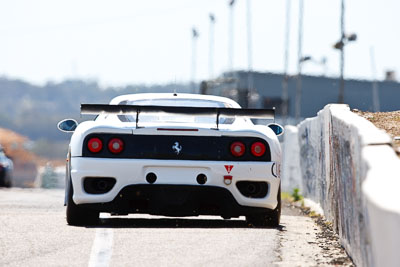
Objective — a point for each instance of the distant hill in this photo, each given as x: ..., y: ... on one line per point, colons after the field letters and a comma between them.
x: 34, y: 111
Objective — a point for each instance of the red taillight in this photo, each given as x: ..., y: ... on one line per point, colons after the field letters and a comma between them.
x: 238, y: 149
x: 115, y: 145
x: 258, y: 149
x: 95, y: 145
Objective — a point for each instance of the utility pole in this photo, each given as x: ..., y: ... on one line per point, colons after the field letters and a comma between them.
x: 341, y: 83
x: 249, y: 37
x: 195, y: 36
x: 211, y: 47
x: 231, y: 37
x: 299, y: 62
x: 344, y: 39
x: 375, y: 87
x: 285, y: 87
x: 250, y: 81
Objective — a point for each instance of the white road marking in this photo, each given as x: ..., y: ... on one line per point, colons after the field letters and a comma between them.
x: 102, y: 247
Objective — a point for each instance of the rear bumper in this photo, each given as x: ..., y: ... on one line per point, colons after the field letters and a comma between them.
x: 175, y: 200
x: 132, y: 172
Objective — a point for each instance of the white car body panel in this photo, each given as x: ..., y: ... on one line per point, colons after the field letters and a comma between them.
x: 128, y: 171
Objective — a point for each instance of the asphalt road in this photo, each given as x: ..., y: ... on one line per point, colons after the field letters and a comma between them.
x: 33, y: 232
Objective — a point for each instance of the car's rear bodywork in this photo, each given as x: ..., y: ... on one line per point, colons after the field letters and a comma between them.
x: 121, y: 165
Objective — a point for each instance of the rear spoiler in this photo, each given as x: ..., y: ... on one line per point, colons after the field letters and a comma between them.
x: 96, y: 109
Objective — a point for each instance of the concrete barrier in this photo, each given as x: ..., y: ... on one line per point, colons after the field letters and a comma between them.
x: 381, y: 189
x: 291, y: 160
x: 333, y: 166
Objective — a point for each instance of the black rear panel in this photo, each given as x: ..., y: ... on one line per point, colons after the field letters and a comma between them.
x: 162, y: 147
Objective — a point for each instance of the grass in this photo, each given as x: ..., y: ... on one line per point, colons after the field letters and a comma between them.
x: 296, y: 194
x: 292, y: 197
x: 286, y: 196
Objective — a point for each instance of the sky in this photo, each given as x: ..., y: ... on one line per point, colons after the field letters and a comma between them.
x: 124, y: 42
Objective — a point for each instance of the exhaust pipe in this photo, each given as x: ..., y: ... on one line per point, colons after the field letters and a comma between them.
x: 253, y: 189
x: 151, y: 177
x: 98, y: 185
x: 201, y: 178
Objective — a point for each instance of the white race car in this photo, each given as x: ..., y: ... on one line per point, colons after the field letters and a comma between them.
x: 173, y: 155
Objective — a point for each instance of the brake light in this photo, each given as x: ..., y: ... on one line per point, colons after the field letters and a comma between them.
x: 115, y: 145
x: 95, y: 145
x: 258, y: 149
x: 238, y: 149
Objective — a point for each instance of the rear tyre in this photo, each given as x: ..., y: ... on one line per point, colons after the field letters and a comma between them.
x: 77, y: 215
x: 7, y: 180
x: 8, y: 183
x: 267, y: 219
x: 2, y: 178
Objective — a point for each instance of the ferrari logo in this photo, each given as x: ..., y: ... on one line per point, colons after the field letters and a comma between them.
x: 177, y: 148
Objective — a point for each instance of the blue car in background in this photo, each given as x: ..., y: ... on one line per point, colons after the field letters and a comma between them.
x: 6, y: 168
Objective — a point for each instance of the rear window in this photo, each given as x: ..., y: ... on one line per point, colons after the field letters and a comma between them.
x: 154, y: 117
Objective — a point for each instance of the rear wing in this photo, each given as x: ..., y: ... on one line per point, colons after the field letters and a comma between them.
x: 96, y: 109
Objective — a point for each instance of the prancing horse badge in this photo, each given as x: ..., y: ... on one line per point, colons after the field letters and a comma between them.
x: 177, y: 148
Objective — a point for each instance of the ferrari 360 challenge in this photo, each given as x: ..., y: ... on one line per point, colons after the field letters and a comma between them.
x: 173, y: 155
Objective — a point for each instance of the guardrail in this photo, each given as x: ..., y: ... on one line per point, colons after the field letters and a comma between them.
x: 335, y: 160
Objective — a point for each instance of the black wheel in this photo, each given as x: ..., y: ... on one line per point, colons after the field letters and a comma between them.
x: 267, y: 219
x: 8, y: 183
x: 2, y: 178
x: 8, y: 180
x: 77, y: 215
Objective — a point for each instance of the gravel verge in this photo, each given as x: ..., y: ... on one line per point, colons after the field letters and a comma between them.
x: 330, y: 252
x: 387, y: 121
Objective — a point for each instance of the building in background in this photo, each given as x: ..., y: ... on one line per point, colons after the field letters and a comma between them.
x: 317, y: 91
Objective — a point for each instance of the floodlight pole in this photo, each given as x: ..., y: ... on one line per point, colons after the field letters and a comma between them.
x: 285, y: 82
x: 250, y: 81
x: 375, y: 87
x: 231, y: 37
x: 340, y: 45
x: 341, y: 83
x: 299, y: 62
x: 211, y: 47
x: 195, y: 36
x: 249, y: 37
